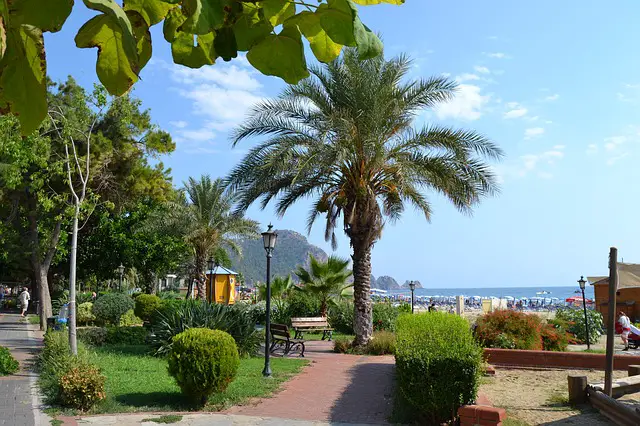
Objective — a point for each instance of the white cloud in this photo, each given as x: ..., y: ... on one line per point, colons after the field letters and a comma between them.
x: 468, y: 104
x: 611, y: 143
x: 199, y: 135
x: 497, y: 55
x: 533, y: 132
x: 179, y: 124
x: 559, y: 147
x: 534, y: 118
x: 515, y: 111
x: 492, y: 37
x: 552, y: 98
x: 446, y: 74
x: 481, y: 69
x: 592, y: 149
x: 545, y: 175
x: 611, y: 161
x: 467, y: 77
x: 548, y: 122
x: 531, y: 162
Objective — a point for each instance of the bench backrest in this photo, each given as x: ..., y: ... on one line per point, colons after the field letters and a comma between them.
x: 310, y: 322
x: 280, y: 331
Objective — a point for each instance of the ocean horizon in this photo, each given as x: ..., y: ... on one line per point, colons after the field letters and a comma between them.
x: 515, y: 292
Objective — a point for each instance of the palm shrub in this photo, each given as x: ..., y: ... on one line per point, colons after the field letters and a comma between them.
x: 203, y: 362
x: 280, y: 288
x: 326, y: 280
x: 195, y: 314
x: 109, y: 308
x: 575, y: 323
x: 146, y: 305
x: 438, y: 364
x: 345, y: 138
x: 8, y: 364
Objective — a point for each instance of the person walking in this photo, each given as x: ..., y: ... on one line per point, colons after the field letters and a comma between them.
x: 24, y: 301
x: 625, y: 323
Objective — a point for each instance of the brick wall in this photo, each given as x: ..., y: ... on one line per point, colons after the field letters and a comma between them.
x: 521, y: 358
x: 474, y: 415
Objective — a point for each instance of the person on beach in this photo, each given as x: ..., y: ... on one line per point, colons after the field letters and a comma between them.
x: 432, y: 307
x: 24, y: 301
x: 625, y: 323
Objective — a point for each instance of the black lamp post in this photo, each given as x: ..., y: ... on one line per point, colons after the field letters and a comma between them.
x: 212, y: 289
x: 582, y: 283
x: 121, y: 272
x: 269, y: 238
x: 412, y: 286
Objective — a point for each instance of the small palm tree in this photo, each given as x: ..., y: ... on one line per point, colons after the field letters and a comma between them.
x: 326, y: 280
x: 344, y: 138
x: 280, y: 288
x: 204, y: 217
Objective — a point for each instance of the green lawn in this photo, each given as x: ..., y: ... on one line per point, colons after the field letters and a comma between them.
x: 318, y: 336
x: 33, y: 319
x: 140, y: 382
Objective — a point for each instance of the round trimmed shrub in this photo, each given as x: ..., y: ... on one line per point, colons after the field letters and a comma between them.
x: 84, y: 314
x: 438, y: 365
x: 146, y: 305
x: 81, y: 386
x: 8, y: 364
x: 203, y: 362
x: 109, y: 308
x: 129, y: 319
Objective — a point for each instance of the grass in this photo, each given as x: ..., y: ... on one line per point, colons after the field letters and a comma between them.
x: 595, y: 351
x: 510, y: 421
x: 137, y: 381
x: 557, y: 400
x: 56, y: 422
x: 318, y: 336
x: 166, y: 419
x: 33, y: 319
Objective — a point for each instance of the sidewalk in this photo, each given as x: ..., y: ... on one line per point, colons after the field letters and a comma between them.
x: 193, y: 420
x: 16, y: 402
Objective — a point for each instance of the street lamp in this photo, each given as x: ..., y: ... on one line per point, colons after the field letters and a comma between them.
x: 582, y: 283
x: 269, y: 239
x: 121, y: 272
x: 412, y: 286
x: 212, y: 289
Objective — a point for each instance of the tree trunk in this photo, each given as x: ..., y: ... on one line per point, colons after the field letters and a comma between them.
x: 73, y: 342
x: 42, y: 282
x: 363, y: 315
x: 201, y: 277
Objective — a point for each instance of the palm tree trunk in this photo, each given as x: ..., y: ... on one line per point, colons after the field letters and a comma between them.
x: 201, y: 277
x: 363, y: 315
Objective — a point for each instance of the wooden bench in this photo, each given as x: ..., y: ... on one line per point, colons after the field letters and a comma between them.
x: 307, y: 324
x: 281, y: 339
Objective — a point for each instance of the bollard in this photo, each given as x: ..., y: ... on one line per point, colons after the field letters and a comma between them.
x: 577, y: 389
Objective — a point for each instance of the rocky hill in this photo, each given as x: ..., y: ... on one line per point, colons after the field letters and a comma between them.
x: 406, y: 285
x: 292, y: 249
x: 385, y: 282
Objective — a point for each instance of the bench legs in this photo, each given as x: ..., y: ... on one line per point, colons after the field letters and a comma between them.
x: 327, y: 333
x: 288, y: 346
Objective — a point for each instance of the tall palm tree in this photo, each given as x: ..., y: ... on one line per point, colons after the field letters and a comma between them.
x: 327, y: 280
x: 344, y: 138
x: 204, y: 216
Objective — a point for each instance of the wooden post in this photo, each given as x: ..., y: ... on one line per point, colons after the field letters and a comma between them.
x: 577, y: 389
x: 611, y: 318
x: 634, y: 370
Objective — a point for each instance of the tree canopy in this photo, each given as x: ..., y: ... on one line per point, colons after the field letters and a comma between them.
x: 270, y: 31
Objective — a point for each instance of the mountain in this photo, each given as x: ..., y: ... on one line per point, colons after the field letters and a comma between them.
x: 385, y: 282
x: 292, y: 249
x: 406, y: 285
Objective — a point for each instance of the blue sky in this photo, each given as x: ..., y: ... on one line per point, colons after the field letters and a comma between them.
x: 555, y: 84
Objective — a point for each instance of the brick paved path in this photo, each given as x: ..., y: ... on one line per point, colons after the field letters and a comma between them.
x: 16, y: 406
x: 334, y: 388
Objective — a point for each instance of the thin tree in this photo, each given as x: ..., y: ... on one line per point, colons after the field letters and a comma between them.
x: 344, y: 138
x: 326, y: 280
x: 204, y: 216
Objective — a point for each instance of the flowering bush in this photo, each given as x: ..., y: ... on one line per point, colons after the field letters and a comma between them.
x: 522, y: 331
x: 575, y: 323
x: 82, y: 386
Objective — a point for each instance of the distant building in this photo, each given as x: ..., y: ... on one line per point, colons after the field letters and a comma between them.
x: 627, y: 295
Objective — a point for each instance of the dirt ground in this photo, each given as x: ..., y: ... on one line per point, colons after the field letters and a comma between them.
x: 539, y: 397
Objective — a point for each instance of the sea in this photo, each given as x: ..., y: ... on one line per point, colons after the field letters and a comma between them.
x: 515, y: 292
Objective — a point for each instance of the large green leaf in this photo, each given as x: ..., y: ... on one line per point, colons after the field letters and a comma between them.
x: 153, y: 11
x: 126, y: 40
x: 204, y: 16
x: 369, y: 45
x: 47, y: 15
x: 277, y: 11
x: 372, y: 2
x: 281, y: 55
x: 143, y: 38
x: 172, y: 22
x: 224, y: 43
x: 337, y: 18
x: 250, y: 27
x: 115, y: 67
x: 23, y: 79
x: 185, y: 53
x: 324, y: 49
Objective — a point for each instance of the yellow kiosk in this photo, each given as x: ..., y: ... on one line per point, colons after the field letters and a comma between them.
x: 224, y: 285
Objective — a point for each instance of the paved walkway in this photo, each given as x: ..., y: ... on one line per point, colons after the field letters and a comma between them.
x: 334, y: 388
x: 194, y: 420
x: 16, y: 401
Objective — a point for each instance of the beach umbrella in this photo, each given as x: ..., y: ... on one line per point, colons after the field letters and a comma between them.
x: 508, y: 298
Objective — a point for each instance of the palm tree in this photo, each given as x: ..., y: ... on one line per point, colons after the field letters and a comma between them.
x: 280, y: 288
x: 204, y: 217
x: 344, y: 138
x: 326, y: 280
